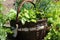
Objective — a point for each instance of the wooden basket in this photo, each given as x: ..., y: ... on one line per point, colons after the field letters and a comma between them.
x: 30, y: 31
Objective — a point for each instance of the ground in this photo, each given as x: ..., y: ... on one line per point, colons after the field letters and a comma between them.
x: 8, y: 4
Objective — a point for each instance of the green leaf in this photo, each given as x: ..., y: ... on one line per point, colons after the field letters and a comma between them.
x: 33, y: 20
x: 26, y: 15
x: 23, y: 21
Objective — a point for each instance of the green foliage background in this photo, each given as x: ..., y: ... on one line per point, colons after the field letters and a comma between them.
x: 3, y: 29
x: 49, y: 9
x: 52, y: 12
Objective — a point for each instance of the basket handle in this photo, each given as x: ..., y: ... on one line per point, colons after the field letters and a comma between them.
x: 19, y: 8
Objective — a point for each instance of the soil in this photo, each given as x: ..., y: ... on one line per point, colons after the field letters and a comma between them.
x: 8, y: 4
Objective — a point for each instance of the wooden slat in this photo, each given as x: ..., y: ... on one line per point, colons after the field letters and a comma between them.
x: 31, y: 29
